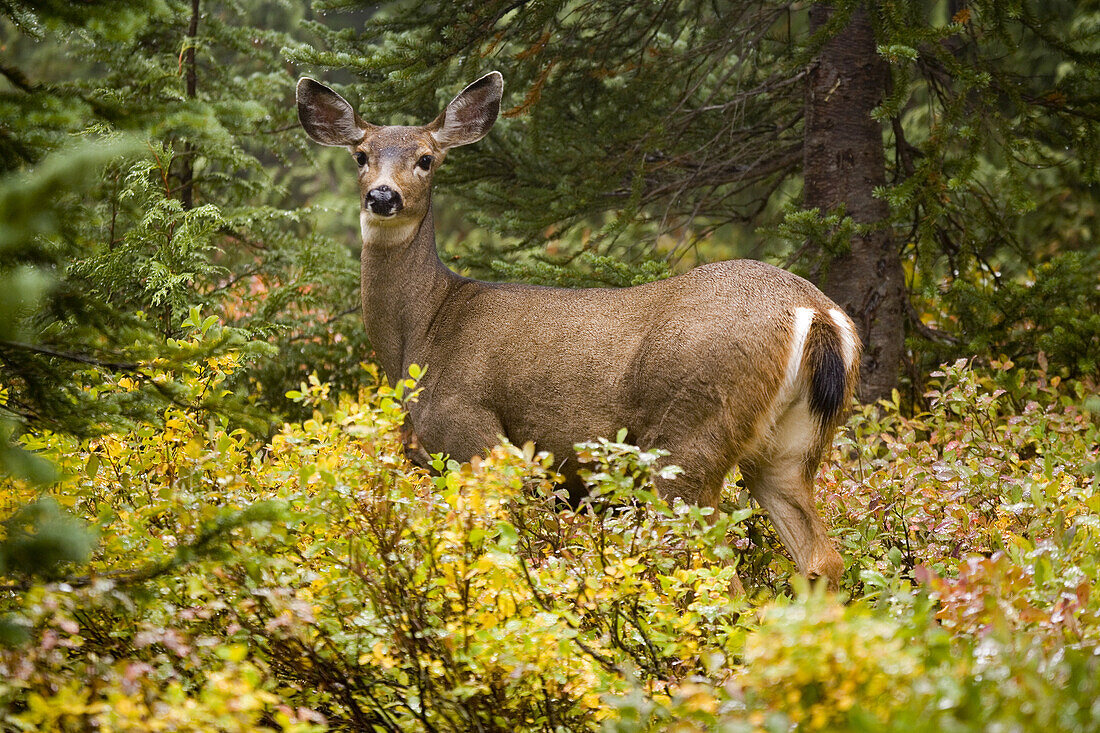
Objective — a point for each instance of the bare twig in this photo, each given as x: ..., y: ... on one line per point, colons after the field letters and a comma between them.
x: 930, y: 333
x: 118, y: 366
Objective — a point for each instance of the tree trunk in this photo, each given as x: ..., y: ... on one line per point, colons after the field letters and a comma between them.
x: 844, y: 161
x: 187, y: 175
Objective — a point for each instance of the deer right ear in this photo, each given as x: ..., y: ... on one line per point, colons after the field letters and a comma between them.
x: 326, y: 116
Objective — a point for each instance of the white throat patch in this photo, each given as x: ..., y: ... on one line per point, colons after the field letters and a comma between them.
x: 378, y: 232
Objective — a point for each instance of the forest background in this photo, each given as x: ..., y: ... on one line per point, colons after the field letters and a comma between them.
x: 206, y: 518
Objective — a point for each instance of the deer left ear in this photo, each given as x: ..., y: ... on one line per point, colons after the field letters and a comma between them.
x: 469, y: 116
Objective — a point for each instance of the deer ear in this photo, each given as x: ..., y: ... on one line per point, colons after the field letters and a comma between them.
x: 469, y: 116
x: 326, y: 116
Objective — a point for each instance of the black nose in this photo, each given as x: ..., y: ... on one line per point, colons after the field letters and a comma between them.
x: 384, y: 201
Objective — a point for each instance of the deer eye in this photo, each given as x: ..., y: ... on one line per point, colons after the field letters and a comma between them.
x: 425, y: 162
x: 361, y: 158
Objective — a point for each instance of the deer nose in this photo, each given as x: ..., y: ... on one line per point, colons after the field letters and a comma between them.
x: 384, y: 201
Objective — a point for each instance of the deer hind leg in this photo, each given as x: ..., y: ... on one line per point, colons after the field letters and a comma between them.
x: 781, y: 480
x: 414, y: 451
x: 701, y: 484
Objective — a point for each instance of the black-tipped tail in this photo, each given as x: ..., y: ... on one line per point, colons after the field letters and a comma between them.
x: 829, y: 377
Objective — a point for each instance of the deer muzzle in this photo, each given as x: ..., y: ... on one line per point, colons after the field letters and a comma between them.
x: 384, y: 201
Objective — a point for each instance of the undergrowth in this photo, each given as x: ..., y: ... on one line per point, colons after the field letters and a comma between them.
x: 317, y: 581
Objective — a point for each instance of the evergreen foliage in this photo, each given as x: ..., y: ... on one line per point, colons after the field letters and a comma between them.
x: 142, y: 147
x: 673, y: 118
x: 659, y: 110
x: 996, y: 165
x: 197, y: 218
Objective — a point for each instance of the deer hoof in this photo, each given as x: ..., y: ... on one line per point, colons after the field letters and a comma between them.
x: 827, y: 565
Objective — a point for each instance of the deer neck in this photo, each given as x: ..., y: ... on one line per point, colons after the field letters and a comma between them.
x: 404, y: 283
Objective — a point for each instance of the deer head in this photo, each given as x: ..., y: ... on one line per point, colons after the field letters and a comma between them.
x: 396, y: 163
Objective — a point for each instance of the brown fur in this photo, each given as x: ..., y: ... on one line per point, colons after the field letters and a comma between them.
x: 695, y: 364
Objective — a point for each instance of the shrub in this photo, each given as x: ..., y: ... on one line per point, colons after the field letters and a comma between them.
x: 317, y: 581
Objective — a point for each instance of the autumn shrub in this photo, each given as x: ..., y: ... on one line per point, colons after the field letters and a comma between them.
x: 317, y: 581
x: 990, y: 492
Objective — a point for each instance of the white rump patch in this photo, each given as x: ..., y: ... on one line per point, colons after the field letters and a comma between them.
x: 786, y: 427
x: 847, y: 340
x: 803, y: 317
x: 794, y: 432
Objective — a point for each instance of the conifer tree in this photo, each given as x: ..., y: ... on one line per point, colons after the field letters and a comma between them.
x: 626, y: 121
x: 196, y: 218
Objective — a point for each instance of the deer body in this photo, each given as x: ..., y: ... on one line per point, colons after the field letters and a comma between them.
x: 732, y: 363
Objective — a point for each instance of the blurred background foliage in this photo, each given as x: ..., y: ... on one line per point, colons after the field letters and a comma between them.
x: 196, y: 211
x: 673, y: 131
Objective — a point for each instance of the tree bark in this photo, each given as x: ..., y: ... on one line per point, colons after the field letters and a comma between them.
x: 844, y: 161
x: 187, y: 175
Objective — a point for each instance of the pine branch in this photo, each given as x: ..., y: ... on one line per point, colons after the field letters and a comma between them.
x: 930, y: 333
x: 118, y: 366
x: 18, y: 78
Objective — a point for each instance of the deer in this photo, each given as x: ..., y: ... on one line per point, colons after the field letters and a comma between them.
x: 735, y: 363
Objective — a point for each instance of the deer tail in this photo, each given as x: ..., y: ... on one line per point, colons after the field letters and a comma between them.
x: 831, y: 363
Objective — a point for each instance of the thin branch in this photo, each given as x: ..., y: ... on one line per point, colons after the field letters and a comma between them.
x: 18, y: 78
x: 932, y: 334
x: 118, y: 366
x: 326, y: 322
x: 274, y: 130
x: 187, y: 176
